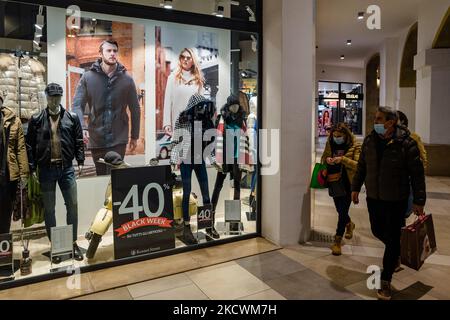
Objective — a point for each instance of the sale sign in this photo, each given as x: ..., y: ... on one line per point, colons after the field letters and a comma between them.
x: 6, y: 249
x: 204, y: 217
x: 142, y: 211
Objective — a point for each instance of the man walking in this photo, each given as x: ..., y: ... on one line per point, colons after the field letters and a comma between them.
x: 108, y: 90
x: 389, y: 160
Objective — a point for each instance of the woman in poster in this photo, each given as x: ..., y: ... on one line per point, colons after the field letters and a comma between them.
x: 185, y: 81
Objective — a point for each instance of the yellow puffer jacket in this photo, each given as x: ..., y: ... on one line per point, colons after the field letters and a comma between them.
x: 349, y: 160
x: 423, y: 152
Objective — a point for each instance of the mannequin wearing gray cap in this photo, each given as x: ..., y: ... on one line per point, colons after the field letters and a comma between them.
x: 54, y: 140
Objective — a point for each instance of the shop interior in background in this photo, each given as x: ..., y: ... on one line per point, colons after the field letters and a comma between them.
x: 340, y: 102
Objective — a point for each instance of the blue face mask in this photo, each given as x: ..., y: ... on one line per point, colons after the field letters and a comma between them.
x: 379, y: 128
x: 339, y: 140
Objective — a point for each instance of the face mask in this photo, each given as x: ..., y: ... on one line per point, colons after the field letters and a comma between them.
x: 339, y: 140
x: 379, y: 128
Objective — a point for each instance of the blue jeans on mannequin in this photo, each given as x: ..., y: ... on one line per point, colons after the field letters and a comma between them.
x: 186, y: 176
x: 65, y: 177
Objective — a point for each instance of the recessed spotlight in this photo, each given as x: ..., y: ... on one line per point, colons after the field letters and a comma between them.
x: 349, y: 42
x: 342, y: 57
x: 168, y: 4
x: 361, y: 15
x: 219, y: 12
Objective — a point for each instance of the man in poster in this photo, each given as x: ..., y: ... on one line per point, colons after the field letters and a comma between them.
x: 108, y: 90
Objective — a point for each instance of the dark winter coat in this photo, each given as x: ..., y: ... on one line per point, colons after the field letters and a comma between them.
x: 108, y: 99
x: 387, y: 176
x: 39, y: 139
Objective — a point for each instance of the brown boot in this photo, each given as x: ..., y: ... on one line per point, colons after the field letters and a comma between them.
x: 349, y: 230
x: 336, y: 248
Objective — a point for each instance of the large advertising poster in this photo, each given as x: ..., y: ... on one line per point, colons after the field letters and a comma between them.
x: 142, y: 211
x: 106, y: 88
x: 187, y: 62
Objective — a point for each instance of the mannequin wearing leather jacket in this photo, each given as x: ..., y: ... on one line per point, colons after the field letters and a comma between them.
x: 54, y: 139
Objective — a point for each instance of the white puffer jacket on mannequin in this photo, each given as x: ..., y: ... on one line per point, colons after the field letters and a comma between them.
x: 32, y: 96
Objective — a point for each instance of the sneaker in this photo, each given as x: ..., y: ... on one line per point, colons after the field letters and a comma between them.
x: 349, y: 230
x: 188, y: 237
x: 77, y: 254
x: 213, y: 233
x: 336, y: 248
x: 385, y: 293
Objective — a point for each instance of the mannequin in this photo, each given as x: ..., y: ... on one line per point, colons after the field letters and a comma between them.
x: 252, y: 122
x: 13, y: 163
x: 54, y: 139
x: 202, y: 110
x: 231, y: 118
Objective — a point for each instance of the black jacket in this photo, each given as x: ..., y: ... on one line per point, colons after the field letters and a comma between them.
x: 107, y: 100
x: 388, y: 176
x: 39, y: 139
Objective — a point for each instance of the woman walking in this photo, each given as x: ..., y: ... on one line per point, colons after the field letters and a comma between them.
x: 341, y: 156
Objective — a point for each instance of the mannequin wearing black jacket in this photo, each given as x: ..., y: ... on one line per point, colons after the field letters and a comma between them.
x: 231, y: 117
x: 54, y: 139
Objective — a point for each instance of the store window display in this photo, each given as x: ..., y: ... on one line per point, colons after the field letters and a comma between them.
x: 108, y: 91
x: 112, y: 73
x: 13, y: 163
x: 54, y: 140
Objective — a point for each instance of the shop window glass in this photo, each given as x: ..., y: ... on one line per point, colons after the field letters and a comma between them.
x: 131, y: 83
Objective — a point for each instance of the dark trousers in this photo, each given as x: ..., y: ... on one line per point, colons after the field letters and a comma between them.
x: 65, y: 177
x: 236, y: 172
x: 186, y: 176
x: 386, y: 220
x: 8, y: 191
x: 342, y: 205
x: 102, y: 169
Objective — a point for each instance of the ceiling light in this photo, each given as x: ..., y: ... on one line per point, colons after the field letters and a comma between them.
x: 93, y: 19
x: 252, y: 16
x: 219, y: 11
x: 342, y: 57
x: 168, y: 4
x: 349, y: 42
x: 40, y: 19
x: 361, y: 15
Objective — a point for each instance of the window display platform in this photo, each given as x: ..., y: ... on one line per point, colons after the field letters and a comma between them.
x: 109, y: 278
x: 39, y: 248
